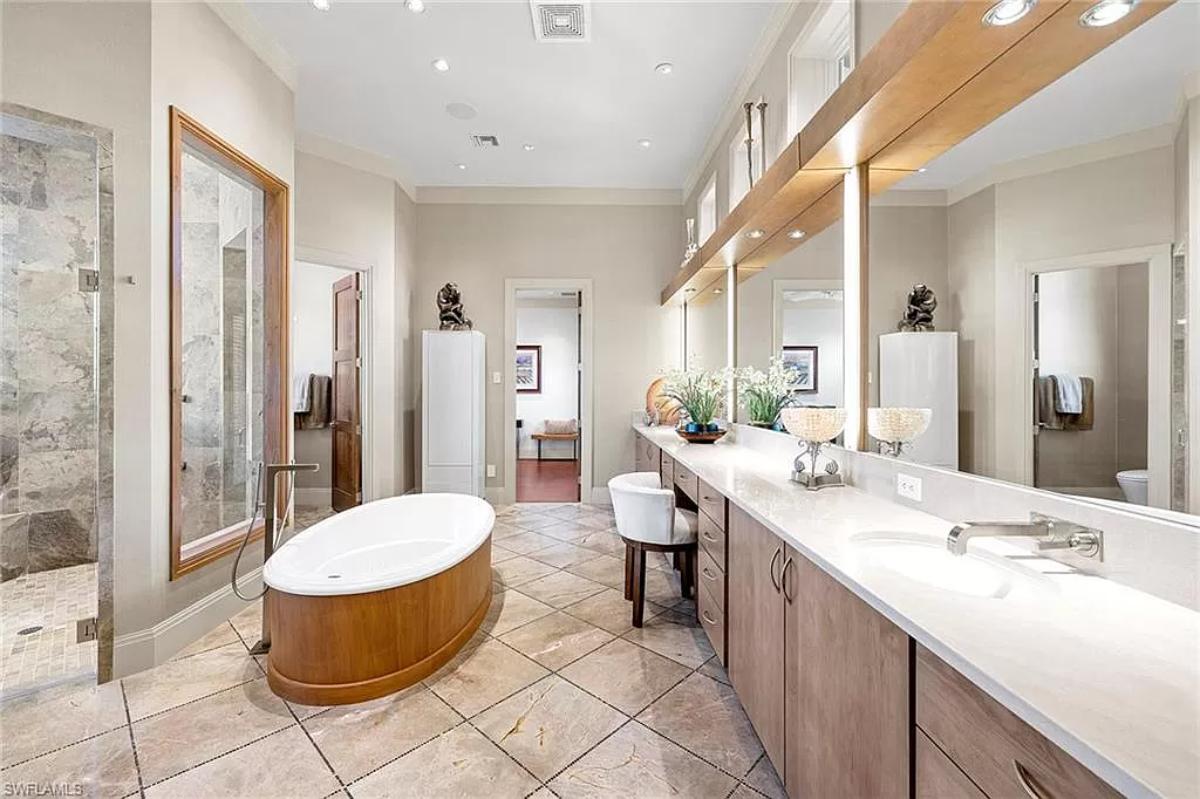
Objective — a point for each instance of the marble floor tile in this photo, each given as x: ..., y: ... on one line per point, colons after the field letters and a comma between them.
x: 186, y: 736
x: 626, y: 676
x: 514, y: 571
x: 604, y: 541
x: 556, y: 640
x: 500, y: 554
x: 480, y: 677
x: 713, y: 668
x: 102, y: 766
x: 675, y: 635
x: 743, y: 791
x: 461, y: 763
x: 248, y: 623
x: 511, y: 609
x: 611, y: 611
x: 284, y: 765
x: 546, y: 726
x: 528, y: 542
x: 603, y: 569
x: 636, y: 761
x: 56, y: 717
x: 357, y: 739
x: 178, y: 681
x: 536, y: 521
x: 218, y: 637
x: 663, y: 587
x: 705, y: 717
x: 764, y: 779
x: 563, y: 554
x: 561, y: 589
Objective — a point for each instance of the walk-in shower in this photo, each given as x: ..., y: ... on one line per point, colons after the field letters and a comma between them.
x: 55, y: 399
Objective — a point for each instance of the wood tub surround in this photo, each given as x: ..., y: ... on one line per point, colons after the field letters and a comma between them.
x: 341, y: 649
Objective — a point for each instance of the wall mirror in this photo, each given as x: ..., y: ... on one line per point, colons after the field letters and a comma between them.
x: 228, y: 339
x: 1054, y: 240
x: 706, y: 329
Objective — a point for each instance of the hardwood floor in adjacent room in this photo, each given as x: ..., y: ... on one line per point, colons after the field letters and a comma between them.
x: 547, y: 480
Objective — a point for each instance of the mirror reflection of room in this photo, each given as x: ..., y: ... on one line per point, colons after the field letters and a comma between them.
x: 548, y: 397
x: 1052, y: 241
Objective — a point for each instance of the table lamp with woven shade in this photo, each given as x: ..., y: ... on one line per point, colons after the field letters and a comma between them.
x: 815, y: 427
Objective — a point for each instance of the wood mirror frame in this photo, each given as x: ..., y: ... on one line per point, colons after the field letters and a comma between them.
x: 276, y: 266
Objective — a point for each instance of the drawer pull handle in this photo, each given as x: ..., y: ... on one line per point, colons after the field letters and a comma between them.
x: 783, y: 573
x: 708, y: 536
x: 709, y: 574
x: 774, y: 560
x: 711, y: 620
x: 1028, y: 783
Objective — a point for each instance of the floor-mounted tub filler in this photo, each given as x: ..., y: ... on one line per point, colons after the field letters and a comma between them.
x: 378, y: 597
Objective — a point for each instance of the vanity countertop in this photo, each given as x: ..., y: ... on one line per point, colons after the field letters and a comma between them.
x: 1109, y: 673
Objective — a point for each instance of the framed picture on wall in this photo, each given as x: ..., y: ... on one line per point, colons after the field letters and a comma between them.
x: 802, y: 363
x: 529, y: 368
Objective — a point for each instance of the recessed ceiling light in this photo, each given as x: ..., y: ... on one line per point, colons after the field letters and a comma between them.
x: 644, y: 144
x: 461, y: 166
x: 796, y: 234
x: 441, y: 65
x: 664, y: 68
x: 757, y: 233
x: 527, y: 148
x: 717, y: 291
x: 1106, y: 12
x: 1006, y: 12
x: 321, y: 5
x: 921, y: 169
x: 689, y: 291
x: 415, y: 6
x: 460, y: 111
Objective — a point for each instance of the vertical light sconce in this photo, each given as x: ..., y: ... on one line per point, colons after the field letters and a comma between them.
x: 856, y: 198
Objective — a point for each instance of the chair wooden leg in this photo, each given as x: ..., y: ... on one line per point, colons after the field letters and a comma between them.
x: 687, y: 573
x: 639, y: 585
x: 675, y: 559
x: 628, y: 571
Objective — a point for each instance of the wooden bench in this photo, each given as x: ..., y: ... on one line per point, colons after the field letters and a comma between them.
x: 572, y: 437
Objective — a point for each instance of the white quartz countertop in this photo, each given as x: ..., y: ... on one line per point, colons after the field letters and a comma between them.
x: 1109, y: 673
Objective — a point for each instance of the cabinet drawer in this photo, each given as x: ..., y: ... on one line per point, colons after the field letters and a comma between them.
x: 687, y: 481
x: 938, y: 777
x: 712, y: 618
x: 667, y: 471
x: 712, y: 540
x: 712, y: 503
x: 712, y: 577
x: 1001, y: 754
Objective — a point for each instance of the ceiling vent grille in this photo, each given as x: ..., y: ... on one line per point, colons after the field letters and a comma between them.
x: 561, y: 22
x: 485, y: 140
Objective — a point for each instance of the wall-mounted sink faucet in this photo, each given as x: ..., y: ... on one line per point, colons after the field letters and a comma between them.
x: 1052, y: 534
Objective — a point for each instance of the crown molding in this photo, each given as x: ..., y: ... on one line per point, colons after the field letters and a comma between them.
x: 238, y: 19
x: 346, y: 155
x: 776, y: 25
x: 544, y: 195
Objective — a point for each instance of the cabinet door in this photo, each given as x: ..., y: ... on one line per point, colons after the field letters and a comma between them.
x: 754, y: 627
x: 938, y: 777
x: 848, y: 721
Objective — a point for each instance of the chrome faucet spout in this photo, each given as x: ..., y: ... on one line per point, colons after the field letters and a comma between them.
x: 1051, y: 533
x: 956, y: 542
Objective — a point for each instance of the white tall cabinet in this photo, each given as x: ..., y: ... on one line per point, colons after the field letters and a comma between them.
x: 920, y: 370
x: 452, y: 411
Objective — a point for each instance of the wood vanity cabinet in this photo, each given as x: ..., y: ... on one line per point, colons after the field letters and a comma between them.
x: 710, y: 566
x: 822, y: 676
x: 645, y: 455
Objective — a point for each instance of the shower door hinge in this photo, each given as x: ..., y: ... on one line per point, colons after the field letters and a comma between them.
x: 85, y: 630
x: 89, y: 280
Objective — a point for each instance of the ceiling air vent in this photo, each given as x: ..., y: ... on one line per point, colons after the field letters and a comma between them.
x: 561, y: 22
x: 487, y: 140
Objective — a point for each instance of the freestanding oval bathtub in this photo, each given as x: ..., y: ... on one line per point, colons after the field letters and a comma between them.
x: 376, y: 598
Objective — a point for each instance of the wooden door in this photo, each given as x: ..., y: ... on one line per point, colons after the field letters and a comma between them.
x: 754, y: 621
x: 848, y: 717
x: 347, y: 432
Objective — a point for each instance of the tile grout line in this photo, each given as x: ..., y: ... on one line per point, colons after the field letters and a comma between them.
x: 137, y: 765
x: 214, y: 758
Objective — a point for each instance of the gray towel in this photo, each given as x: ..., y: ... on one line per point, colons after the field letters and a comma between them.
x: 1047, y: 393
x: 319, y: 390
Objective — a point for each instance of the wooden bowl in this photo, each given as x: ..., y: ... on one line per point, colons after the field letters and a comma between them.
x: 700, y: 437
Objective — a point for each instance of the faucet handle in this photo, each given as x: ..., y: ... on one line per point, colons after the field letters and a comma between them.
x: 1063, y: 534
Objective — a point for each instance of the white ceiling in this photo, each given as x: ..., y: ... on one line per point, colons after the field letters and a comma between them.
x: 1135, y: 84
x: 365, y: 80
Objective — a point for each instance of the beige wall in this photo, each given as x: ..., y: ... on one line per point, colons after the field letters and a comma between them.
x: 628, y: 251
x: 707, y: 326
x: 348, y: 217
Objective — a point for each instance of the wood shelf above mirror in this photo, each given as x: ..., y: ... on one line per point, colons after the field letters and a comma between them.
x: 934, y: 78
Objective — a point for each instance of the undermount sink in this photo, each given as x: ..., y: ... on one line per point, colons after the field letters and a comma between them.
x: 925, y: 559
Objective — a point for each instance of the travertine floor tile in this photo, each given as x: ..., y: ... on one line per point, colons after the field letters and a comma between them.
x: 635, y: 761
x: 460, y: 763
x: 101, y: 767
x: 563, y: 554
x: 528, y: 542
x: 511, y: 609
x: 604, y: 541
x: 548, y: 725
x: 219, y: 636
x: 675, y: 635
x: 705, y: 717
x: 764, y: 779
x: 626, y: 676
x: 611, y: 611
x: 248, y: 623
x: 518, y: 570
x: 500, y: 554
x: 34, y: 724
x: 556, y: 640
x: 713, y: 668
x: 179, y: 681
x: 482, y: 676
x: 357, y: 739
x: 603, y: 569
x: 283, y: 765
x: 561, y: 589
x: 188, y: 735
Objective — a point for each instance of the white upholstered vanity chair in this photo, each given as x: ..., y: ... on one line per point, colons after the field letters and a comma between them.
x: 648, y: 521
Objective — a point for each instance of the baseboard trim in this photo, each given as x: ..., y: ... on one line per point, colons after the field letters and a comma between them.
x: 144, y: 649
x: 600, y: 495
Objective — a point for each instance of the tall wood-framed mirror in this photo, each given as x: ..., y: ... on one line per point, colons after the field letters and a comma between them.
x: 229, y: 278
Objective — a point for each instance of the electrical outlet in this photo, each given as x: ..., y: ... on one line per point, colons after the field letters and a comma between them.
x: 908, y: 487
x: 491, y: 470
x: 496, y: 377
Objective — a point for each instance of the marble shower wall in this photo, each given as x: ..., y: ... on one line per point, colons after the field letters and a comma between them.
x: 49, y: 422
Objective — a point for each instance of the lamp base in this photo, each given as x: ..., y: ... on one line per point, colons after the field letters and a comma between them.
x: 815, y: 482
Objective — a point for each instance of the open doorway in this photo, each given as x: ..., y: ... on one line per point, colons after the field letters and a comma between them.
x: 327, y: 351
